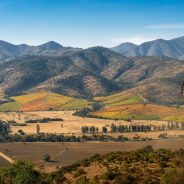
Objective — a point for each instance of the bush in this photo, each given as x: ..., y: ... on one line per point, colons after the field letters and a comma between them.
x: 124, y: 179
x: 79, y: 172
x: 20, y: 173
x: 82, y: 180
x: 173, y: 176
x: 46, y: 157
x: 109, y: 175
x: 21, y: 132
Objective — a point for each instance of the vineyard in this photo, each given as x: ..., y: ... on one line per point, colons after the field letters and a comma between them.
x: 43, y: 101
x: 127, y: 107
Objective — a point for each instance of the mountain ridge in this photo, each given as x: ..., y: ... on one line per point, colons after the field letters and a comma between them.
x: 160, y: 47
x: 9, y: 50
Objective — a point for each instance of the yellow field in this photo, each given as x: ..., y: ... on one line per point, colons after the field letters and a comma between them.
x: 43, y: 101
x: 29, y: 97
x: 54, y: 101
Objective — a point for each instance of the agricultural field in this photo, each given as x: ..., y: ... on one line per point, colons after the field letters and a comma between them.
x: 43, y: 101
x: 123, y: 106
x: 63, y: 154
x: 142, y: 112
x: 10, y: 106
x: 120, y: 99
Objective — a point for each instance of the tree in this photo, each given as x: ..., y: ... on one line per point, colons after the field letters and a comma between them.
x: 96, y: 106
x: 104, y: 130
x: 21, y: 132
x: 20, y: 172
x: 38, y: 129
x: 4, y: 128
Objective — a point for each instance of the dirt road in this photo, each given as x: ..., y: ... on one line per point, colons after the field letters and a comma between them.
x: 7, y: 158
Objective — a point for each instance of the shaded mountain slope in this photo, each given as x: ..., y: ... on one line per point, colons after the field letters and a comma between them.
x: 93, y: 72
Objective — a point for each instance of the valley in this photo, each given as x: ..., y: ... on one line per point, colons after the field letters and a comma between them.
x: 71, y: 125
x: 91, y: 92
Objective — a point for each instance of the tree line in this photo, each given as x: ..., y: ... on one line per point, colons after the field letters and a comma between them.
x: 132, y: 128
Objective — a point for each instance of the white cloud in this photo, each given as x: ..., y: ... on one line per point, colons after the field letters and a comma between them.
x: 135, y: 39
x: 166, y: 26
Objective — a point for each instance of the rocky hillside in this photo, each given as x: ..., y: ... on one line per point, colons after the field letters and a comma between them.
x: 93, y: 72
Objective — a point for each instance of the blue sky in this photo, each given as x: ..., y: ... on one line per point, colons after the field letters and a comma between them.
x: 86, y: 23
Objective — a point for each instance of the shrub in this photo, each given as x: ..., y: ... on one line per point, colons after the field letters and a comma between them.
x: 173, y: 176
x: 82, y: 180
x: 20, y: 172
x: 21, y: 132
x: 46, y: 157
x: 79, y: 172
x: 109, y: 175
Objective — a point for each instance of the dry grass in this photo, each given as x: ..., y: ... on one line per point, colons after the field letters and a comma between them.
x: 72, y: 124
x: 68, y: 153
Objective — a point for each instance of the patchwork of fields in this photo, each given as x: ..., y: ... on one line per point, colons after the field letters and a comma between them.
x: 119, y: 106
x: 43, y: 101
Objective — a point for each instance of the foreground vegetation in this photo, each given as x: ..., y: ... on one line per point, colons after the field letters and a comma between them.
x: 144, y: 166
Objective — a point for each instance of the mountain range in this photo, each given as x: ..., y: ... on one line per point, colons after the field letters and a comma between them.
x: 171, y: 48
x: 8, y: 50
x: 86, y: 73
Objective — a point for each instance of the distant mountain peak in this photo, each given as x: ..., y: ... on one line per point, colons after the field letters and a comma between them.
x: 127, y: 43
x: 51, y: 45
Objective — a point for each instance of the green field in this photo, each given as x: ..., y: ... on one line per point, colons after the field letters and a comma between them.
x: 120, y: 99
x: 10, y: 106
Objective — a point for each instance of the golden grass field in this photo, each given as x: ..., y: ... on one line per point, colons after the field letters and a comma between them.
x: 63, y: 154
x: 42, y: 101
x: 72, y: 124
